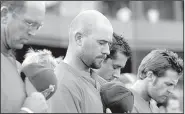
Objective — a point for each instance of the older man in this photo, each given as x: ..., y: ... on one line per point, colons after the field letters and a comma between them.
x: 19, y: 21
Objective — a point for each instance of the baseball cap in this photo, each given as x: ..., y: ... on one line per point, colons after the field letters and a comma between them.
x: 116, y: 97
x: 42, y: 78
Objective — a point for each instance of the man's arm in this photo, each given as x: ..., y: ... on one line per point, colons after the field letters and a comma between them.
x: 65, y: 101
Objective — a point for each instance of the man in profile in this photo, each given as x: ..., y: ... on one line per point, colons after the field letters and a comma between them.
x: 120, y: 52
x: 78, y: 91
x: 19, y: 21
x: 157, y: 76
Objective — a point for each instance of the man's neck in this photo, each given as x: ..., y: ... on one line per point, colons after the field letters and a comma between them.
x: 75, y: 62
x: 100, y: 73
x: 141, y: 89
x: 4, y: 46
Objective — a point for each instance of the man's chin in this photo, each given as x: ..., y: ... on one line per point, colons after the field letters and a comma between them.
x: 96, y: 66
x: 161, y: 101
x: 19, y: 46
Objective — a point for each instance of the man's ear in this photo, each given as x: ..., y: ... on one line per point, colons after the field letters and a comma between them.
x: 4, y: 14
x: 151, y: 77
x: 78, y: 38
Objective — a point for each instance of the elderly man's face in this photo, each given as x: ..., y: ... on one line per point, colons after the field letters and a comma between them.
x: 20, y: 26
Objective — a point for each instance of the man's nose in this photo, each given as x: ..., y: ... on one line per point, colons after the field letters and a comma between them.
x: 116, y: 73
x: 106, y: 49
x: 31, y: 32
x: 170, y: 89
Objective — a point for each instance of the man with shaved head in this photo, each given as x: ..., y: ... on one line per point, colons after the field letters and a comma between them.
x: 19, y: 21
x: 90, y: 34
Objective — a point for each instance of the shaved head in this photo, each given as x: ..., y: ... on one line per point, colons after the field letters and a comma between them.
x: 89, y: 21
x: 90, y: 34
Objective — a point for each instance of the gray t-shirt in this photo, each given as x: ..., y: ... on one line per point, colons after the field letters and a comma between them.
x: 78, y: 92
x: 13, y: 91
x: 140, y: 105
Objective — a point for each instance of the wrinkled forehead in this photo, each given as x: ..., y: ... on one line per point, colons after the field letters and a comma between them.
x: 34, y: 10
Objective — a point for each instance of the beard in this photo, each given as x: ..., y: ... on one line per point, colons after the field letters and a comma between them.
x: 98, y: 61
x: 91, y: 62
x: 95, y: 65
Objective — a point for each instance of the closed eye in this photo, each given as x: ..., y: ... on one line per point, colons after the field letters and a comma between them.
x: 33, y: 24
x: 29, y: 23
x: 169, y: 84
x: 101, y: 42
x: 116, y: 66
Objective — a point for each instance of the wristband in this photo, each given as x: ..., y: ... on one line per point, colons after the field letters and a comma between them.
x: 26, y: 109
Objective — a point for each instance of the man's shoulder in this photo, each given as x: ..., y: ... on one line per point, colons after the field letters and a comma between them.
x: 66, y: 76
x: 6, y: 62
x: 64, y: 72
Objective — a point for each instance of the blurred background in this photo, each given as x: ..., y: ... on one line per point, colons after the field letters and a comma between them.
x: 146, y: 25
